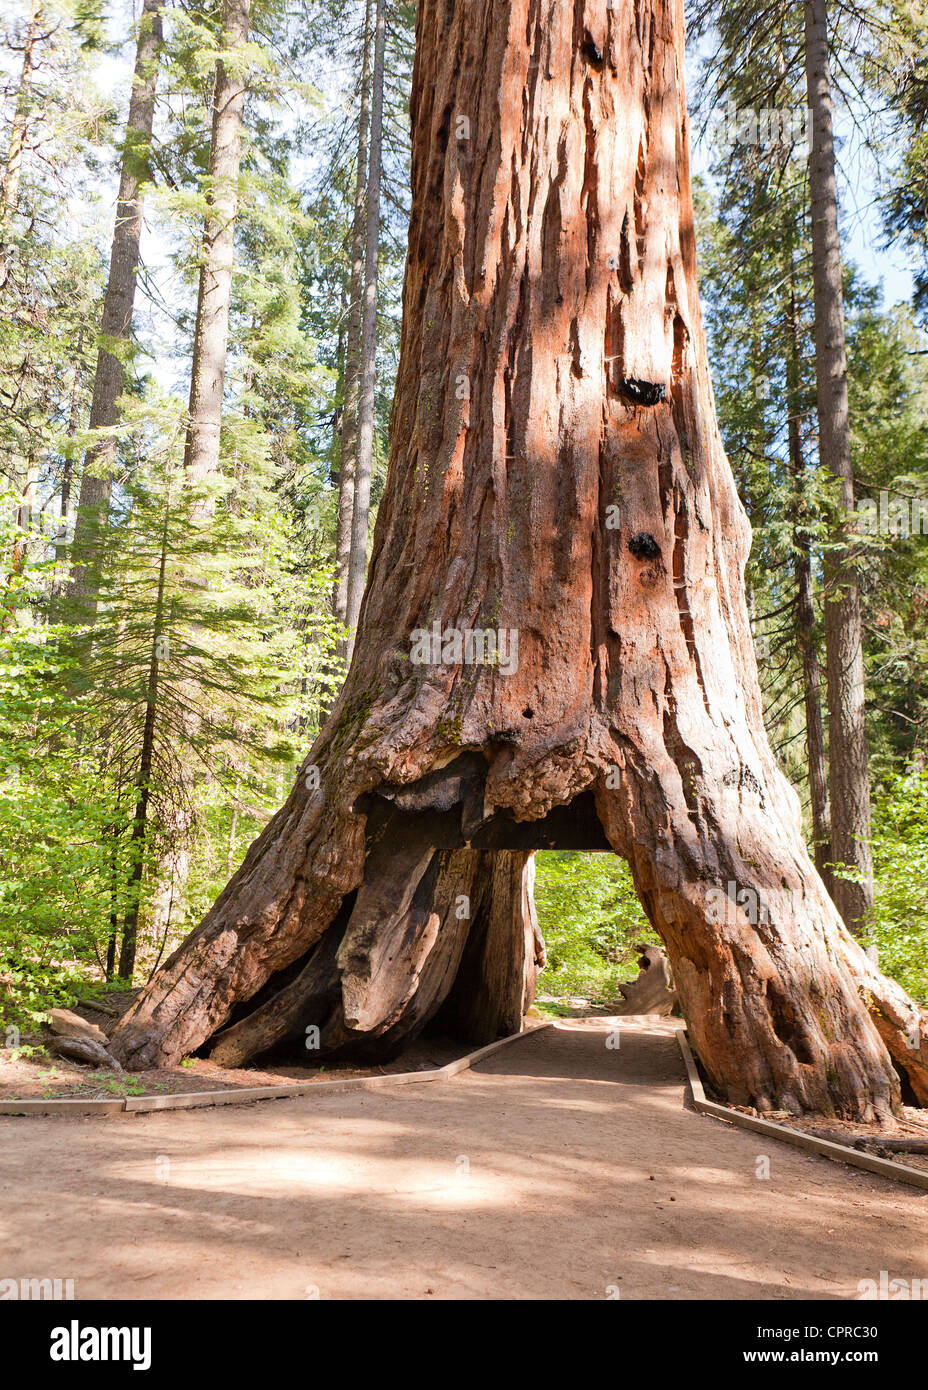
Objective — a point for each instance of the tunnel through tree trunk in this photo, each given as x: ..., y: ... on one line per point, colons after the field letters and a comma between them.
x: 554, y: 646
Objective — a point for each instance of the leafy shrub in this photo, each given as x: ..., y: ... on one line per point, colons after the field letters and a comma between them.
x: 900, y: 856
x: 591, y: 918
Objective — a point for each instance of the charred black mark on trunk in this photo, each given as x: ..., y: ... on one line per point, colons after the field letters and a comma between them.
x: 591, y: 51
x: 646, y: 393
x: 575, y: 353
x: 644, y: 546
x: 626, y: 274
x: 445, y: 809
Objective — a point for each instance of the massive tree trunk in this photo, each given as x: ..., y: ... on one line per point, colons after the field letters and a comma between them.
x: 847, y: 735
x: 116, y: 322
x: 556, y: 483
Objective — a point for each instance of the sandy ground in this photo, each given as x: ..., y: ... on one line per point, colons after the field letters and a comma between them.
x: 558, y: 1168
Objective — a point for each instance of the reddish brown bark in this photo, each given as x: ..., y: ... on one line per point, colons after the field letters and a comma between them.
x: 555, y: 472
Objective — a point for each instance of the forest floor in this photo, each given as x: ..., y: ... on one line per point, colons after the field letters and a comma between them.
x: 559, y: 1167
x: 35, y: 1073
x: 56, y: 1078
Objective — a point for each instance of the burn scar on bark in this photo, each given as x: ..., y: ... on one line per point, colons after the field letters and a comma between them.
x: 646, y: 549
x: 643, y: 546
x: 646, y: 393
x: 741, y: 778
x: 626, y: 275
x: 591, y: 51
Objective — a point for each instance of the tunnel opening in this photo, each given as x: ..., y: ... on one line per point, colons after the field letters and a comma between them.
x: 441, y: 940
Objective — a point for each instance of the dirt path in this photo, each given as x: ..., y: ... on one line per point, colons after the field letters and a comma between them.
x: 559, y: 1168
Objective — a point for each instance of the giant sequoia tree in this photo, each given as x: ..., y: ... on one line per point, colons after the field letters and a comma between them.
x: 554, y: 647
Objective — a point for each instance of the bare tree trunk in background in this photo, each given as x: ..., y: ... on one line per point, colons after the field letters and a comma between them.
x: 357, y: 565
x: 171, y: 876
x: 116, y: 321
x: 9, y: 198
x: 201, y: 452
x: 62, y: 543
x: 575, y: 502
x: 139, y: 835
x: 847, y: 735
x: 349, y: 450
x: 805, y: 618
x: 9, y: 185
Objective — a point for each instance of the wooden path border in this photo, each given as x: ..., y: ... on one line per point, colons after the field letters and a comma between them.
x: 841, y: 1153
x: 242, y: 1095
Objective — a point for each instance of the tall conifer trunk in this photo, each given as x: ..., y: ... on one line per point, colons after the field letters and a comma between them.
x: 805, y: 614
x: 116, y: 322
x: 556, y: 480
x: 364, y: 460
x: 214, y: 297
x: 12, y: 169
x: 847, y: 735
x: 349, y: 440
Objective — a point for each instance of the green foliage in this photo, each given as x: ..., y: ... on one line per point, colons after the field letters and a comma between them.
x: 756, y: 282
x: 591, y: 919
x: 139, y: 757
x: 900, y: 854
x: 54, y: 894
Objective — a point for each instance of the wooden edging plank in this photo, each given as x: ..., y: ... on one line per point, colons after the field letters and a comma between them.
x: 886, y: 1167
x: 65, y: 1106
x: 192, y: 1100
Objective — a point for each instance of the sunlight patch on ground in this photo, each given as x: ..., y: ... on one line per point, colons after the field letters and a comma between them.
x: 460, y: 1180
